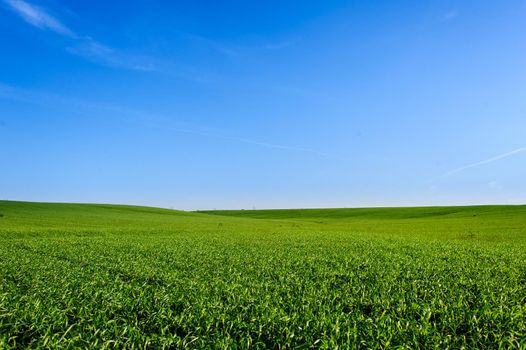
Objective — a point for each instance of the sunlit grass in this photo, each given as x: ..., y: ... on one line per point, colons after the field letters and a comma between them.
x: 95, y: 276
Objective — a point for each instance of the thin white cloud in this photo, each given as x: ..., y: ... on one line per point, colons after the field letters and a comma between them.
x: 163, y: 122
x: 483, y: 162
x: 99, y: 53
x: 283, y: 147
x: 96, y: 52
x: 494, y: 185
x: 263, y: 144
x: 38, y: 17
x: 84, y: 47
x: 232, y: 50
x: 450, y: 16
x: 279, y: 45
x: 5, y: 90
x: 145, y: 118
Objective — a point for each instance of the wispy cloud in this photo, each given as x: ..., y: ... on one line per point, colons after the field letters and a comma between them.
x: 147, y: 119
x: 38, y: 17
x: 220, y: 135
x: 494, y: 185
x: 450, y: 16
x: 163, y: 122
x: 85, y: 47
x: 234, y: 50
x: 101, y: 54
x: 279, y: 45
x: 482, y: 162
x: 5, y: 90
x: 97, y: 52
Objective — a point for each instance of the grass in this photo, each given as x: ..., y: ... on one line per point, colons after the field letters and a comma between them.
x: 105, y: 276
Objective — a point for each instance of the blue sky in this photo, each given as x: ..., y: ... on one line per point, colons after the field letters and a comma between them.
x: 266, y: 104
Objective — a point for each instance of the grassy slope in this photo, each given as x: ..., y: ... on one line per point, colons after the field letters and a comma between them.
x: 497, y: 222
x: 103, y: 275
x: 378, y: 213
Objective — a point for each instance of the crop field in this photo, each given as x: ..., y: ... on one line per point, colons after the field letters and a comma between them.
x: 106, y: 276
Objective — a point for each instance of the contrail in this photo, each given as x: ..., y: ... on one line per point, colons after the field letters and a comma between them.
x: 486, y: 161
x: 218, y: 135
x: 148, y: 119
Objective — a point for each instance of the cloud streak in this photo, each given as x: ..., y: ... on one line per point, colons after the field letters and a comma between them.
x: 38, y: 17
x: 146, y: 119
x: 450, y: 15
x: 84, y: 47
x: 219, y: 135
x: 96, y: 52
x: 483, y: 162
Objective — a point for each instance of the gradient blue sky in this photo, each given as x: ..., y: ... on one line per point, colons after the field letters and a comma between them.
x: 240, y: 104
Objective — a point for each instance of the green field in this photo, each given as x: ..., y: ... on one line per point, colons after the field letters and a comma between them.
x: 105, y: 276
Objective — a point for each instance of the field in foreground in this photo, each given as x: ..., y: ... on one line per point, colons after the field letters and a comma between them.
x: 96, y: 276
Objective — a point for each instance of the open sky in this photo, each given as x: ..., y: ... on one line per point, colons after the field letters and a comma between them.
x: 238, y: 104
